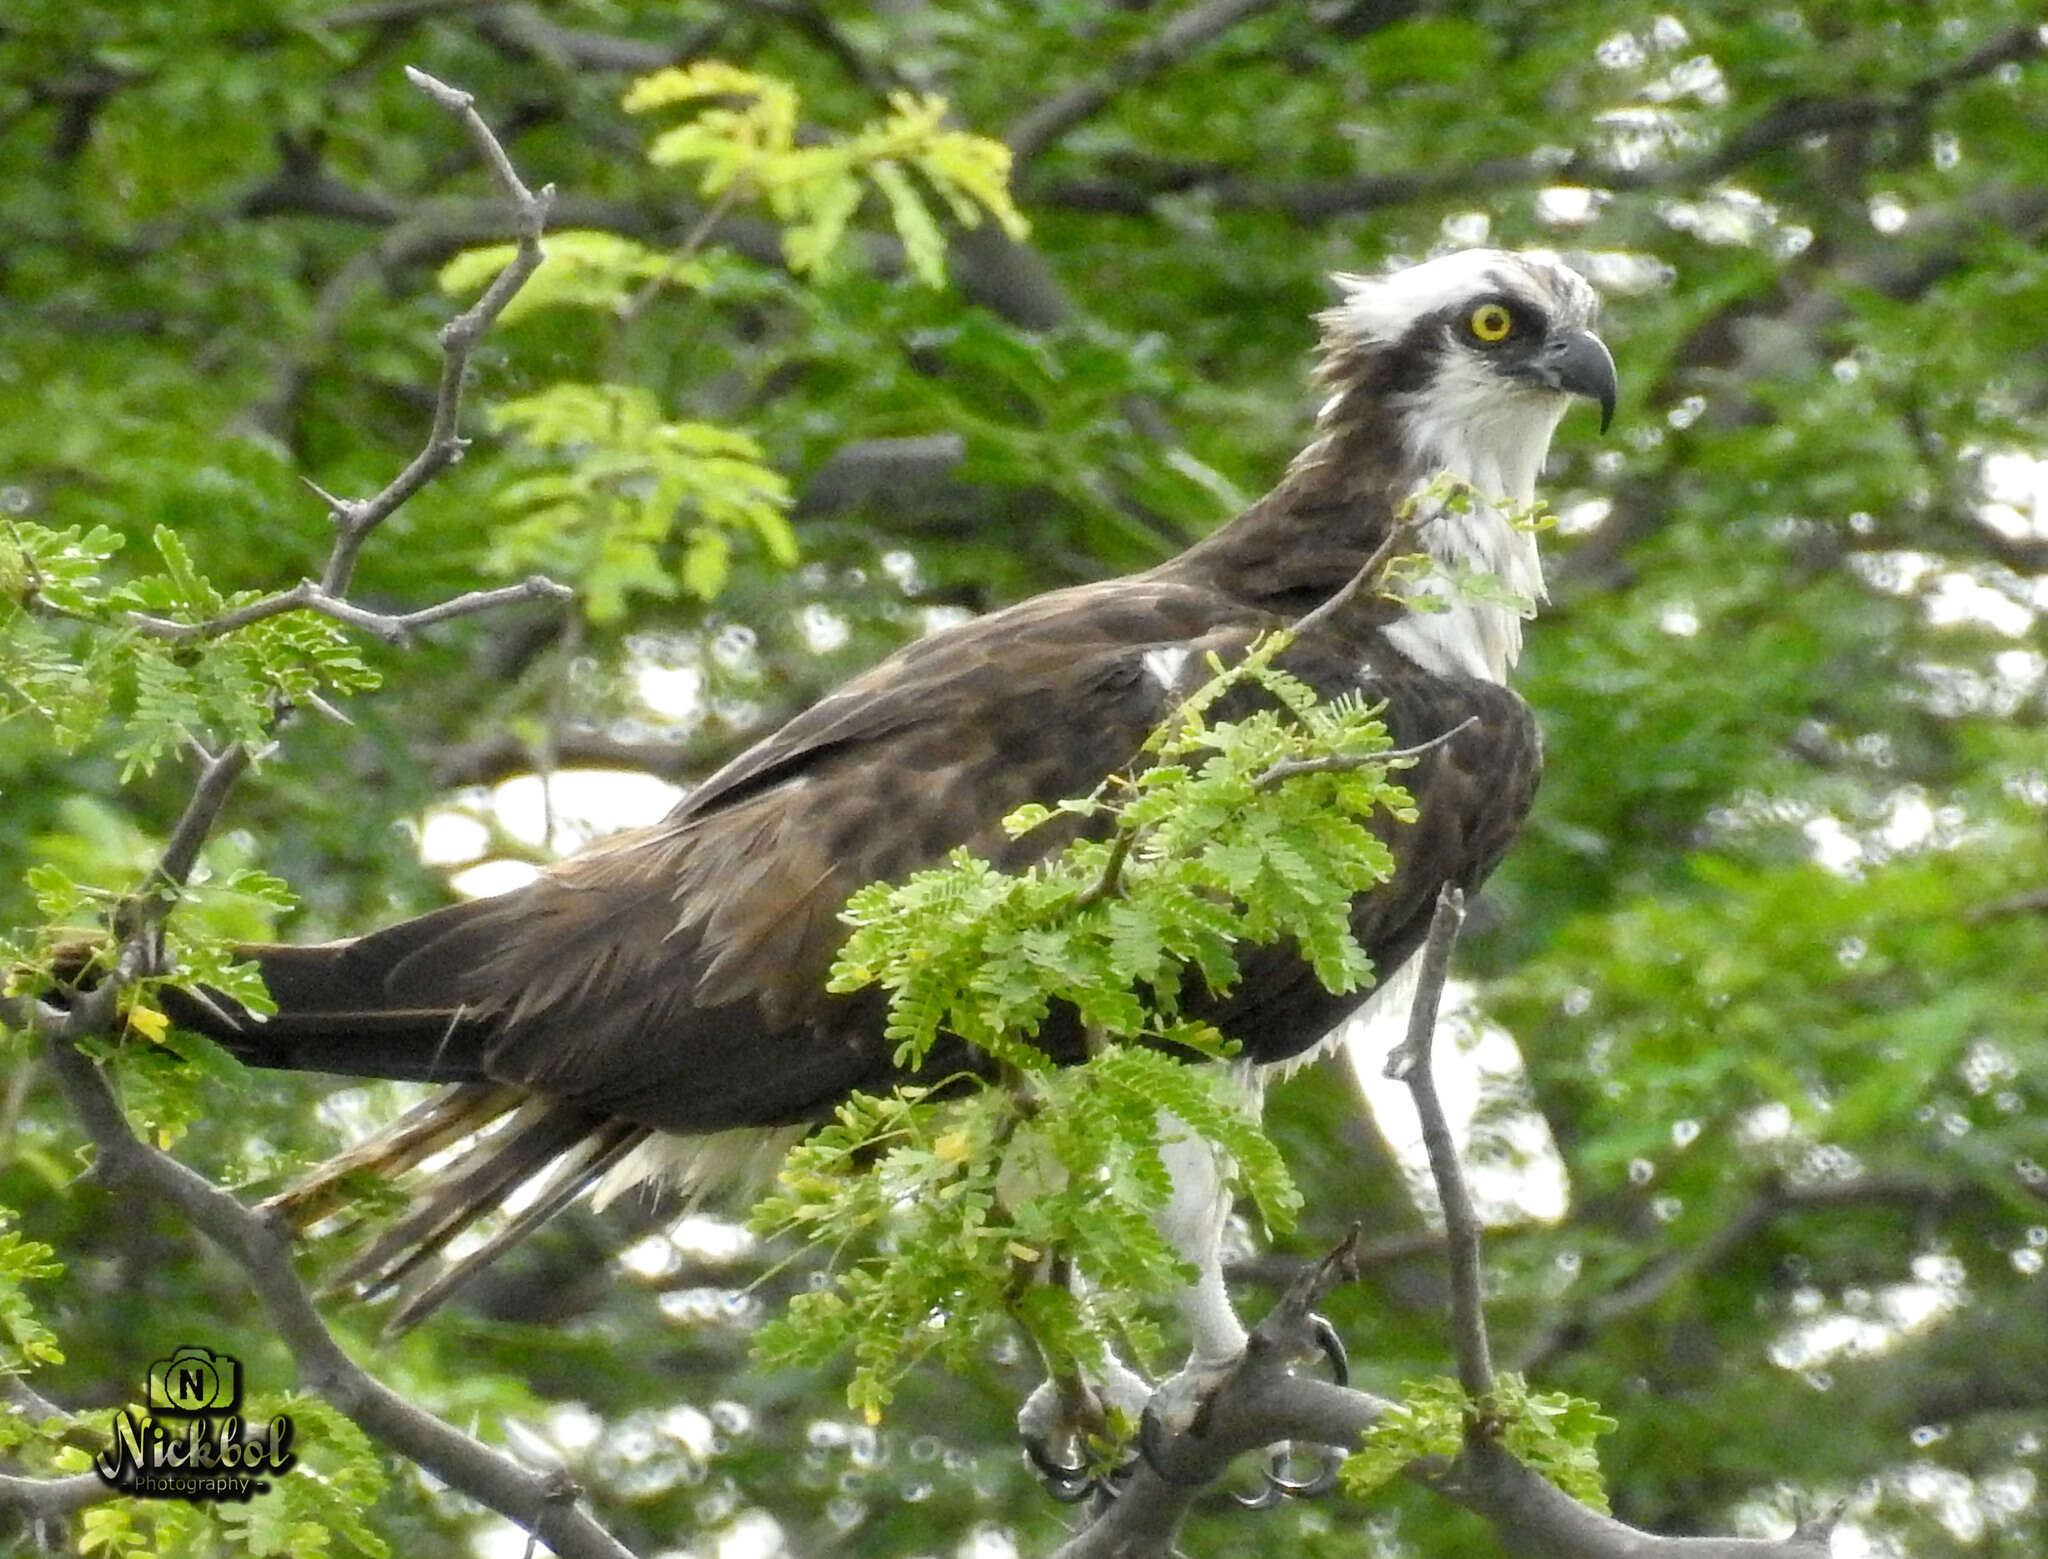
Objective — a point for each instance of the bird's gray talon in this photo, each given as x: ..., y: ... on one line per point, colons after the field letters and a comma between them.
x: 1333, y: 1349
x: 1273, y: 1491
x: 1067, y: 1491
x: 1051, y: 1467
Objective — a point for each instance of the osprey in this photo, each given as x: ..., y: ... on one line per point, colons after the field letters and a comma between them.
x: 656, y: 1005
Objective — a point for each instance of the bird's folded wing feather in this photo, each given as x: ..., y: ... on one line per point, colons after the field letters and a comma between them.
x: 675, y: 975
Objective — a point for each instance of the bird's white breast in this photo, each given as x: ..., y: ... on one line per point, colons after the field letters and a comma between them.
x: 1464, y: 426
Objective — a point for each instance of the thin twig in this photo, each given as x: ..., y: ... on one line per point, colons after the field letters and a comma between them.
x: 1111, y: 880
x: 306, y: 596
x: 1406, y: 528
x: 1039, y: 127
x: 694, y: 240
x: 1342, y: 763
x: 354, y: 520
x: 1410, y: 1063
x: 1649, y: 1283
x: 384, y: 13
x: 2033, y: 901
x: 216, y: 779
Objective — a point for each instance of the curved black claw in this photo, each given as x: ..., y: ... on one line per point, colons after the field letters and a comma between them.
x: 1333, y: 1349
x: 1272, y: 1493
x: 1279, y: 1486
x: 1325, y: 1478
x: 1067, y: 1484
x: 1152, y: 1447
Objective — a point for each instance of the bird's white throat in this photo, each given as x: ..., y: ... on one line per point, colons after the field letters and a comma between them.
x: 1490, y: 575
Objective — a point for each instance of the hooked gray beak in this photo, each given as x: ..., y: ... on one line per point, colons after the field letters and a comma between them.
x: 1579, y: 364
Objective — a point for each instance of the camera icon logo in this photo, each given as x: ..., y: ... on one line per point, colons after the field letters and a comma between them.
x: 195, y: 1380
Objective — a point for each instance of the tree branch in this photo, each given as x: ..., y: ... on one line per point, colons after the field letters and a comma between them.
x: 524, y: 29
x: 306, y: 596
x: 1784, y: 123
x: 2034, y: 901
x: 544, y: 1504
x: 1037, y: 128
x: 355, y: 519
x: 45, y: 1499
x: 1410, y: 1063
x: 1264, y: 1402
x: 541, y: 1503
x: 1538, y: 1520
x: 1658, y: 1277
x: 1337, y: 763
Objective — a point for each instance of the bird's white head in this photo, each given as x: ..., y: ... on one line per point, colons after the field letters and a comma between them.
x: 1478, y: 354
x: 1463, y: 365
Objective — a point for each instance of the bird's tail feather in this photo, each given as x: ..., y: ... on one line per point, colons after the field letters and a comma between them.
x: 435, y: 1124
x: 543, y: 1152
x: 516, y: 1162
x: 383, y: 1005
x: 567, y: 1177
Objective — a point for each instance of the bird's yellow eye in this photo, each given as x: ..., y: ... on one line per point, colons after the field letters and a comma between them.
x: 1491, y: 322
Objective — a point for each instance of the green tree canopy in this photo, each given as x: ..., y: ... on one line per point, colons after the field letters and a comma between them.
x: 1760, y: 992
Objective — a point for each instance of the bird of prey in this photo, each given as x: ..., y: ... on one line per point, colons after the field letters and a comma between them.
x: 656, y: 1006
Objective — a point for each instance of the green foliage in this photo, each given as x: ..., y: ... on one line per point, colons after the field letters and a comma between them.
x: 1213, y: 841
x: 748, y: 148
x: 625, y: 477
x: 1231, y: 833
x: 24, y: 1340
x: 622, y: 478
x: 579, y: 268
x: 1550, y: 1432
x: 326, y: 1497
x: 1730, y: 960
x: 317, y: 1507
x: 79, y: 653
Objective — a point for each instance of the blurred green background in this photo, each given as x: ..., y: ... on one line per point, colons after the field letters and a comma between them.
x: 1757, y: 1004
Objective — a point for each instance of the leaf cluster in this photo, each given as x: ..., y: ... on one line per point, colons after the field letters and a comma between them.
x: 24, y: 1340
x: 317, y: 1507
x: 746, y: 144
x: 619, y: 476
x: 78, y: 652
x: 1550, y: 1432
x: 1226, y: 833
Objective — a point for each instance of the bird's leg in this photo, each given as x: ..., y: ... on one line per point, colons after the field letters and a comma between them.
x: 1060, y: 1416
x: 1195, y: 1221
x: 1068, y: 1409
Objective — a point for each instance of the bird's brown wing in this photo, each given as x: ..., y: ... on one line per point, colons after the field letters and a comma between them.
x: 675, y: 977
